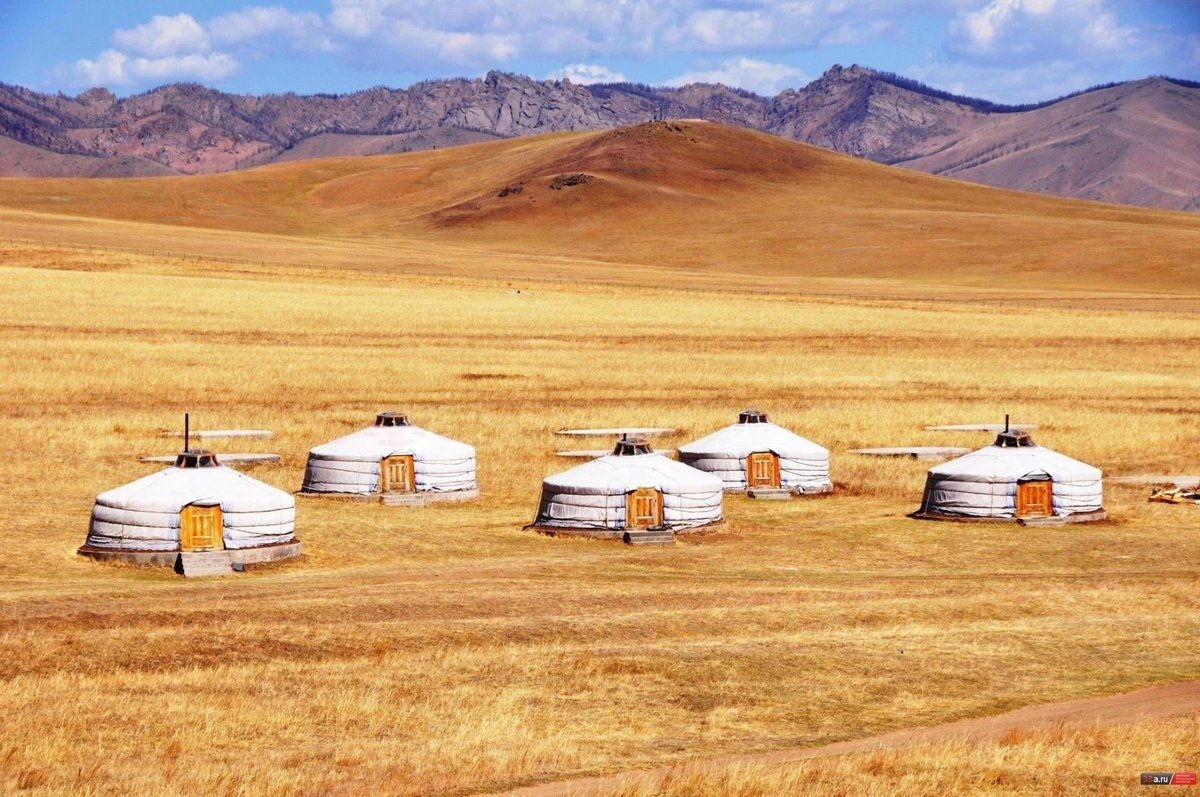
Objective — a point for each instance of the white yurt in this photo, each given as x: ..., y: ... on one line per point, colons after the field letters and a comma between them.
x: 757, y: 454
x: 393, y: 456
x: 1014, y: 478
x: 196, y: 505
x: 631, y: 488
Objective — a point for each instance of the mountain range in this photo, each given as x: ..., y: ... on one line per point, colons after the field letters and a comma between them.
x: 1135, y: 143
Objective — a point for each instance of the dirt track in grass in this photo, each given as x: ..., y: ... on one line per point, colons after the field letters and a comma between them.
x: 1154, y: 703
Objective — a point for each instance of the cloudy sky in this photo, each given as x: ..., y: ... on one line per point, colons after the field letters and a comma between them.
x: 1002, y: 50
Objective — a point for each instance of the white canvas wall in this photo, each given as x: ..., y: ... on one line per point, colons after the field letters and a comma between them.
x: 144, y: 515
x: 984, y: 482
x: 350, y: 464
x: 592, y: 495
x: 803, y: 465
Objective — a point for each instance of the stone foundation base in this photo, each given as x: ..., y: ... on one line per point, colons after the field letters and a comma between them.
x: 237, y: 556
x: 618, y: 534
x: 1057, y: 520
x: 398, y: 499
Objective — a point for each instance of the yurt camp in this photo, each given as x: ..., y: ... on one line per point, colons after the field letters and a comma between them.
x: 761, y: 458
x: 197, y: 505
x: 633, y: 494
x: 1014, y: 479
x: 402, y: 464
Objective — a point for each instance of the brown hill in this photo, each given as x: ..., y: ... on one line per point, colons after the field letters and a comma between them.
x: 676, y: 202
x: 1120, y: 144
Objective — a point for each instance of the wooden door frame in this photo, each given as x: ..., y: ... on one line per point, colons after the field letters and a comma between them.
x: 186, y: 515
x: 1020, y: 506
x: 775, y: 482
x: 631, y: 501
x: 410, y: 481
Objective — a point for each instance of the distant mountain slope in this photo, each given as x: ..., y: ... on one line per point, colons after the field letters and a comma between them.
x: 1134, y: 143
x: 675, y: 201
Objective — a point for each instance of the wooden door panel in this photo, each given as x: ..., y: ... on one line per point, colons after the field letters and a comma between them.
x: 762, y: 469
x: 396, y: 474
x: 643, y: 508
x: 201, y: 528
x: 1035, y: 499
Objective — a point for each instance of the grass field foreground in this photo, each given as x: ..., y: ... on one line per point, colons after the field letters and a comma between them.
x: 448, y: 651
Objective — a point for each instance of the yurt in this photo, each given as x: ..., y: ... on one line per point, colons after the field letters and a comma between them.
x: 196, y: 505
x: 761, y: 458
x: 632, y: 488
x: 1013, y: 479
x: 402, y: 463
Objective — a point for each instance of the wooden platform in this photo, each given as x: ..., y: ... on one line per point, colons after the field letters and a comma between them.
x: 224, y: 459
x: 215, y: 433
x: 982, y: 427
x: 915, y: 452
x: 629, y: 430
x: 1152, y: 478
x: 596, y: 453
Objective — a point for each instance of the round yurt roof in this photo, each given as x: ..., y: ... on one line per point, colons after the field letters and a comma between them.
x: 171, y: 489
x: 754, y: 432
x: 632, y: 465
x: 393, y: 435
x: 1013, y: 457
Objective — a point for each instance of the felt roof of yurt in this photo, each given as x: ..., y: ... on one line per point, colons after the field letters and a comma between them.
x: 171, y: 489
x: 616, y: 473
x: 377, y: 442
x: 755, y: 433
x: 1013, y: 457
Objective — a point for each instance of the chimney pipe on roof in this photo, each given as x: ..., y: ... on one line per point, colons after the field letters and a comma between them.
x: 1006, y: 422
x: 187, y: 432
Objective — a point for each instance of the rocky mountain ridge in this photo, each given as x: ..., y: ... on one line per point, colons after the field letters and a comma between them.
x: 1133, y: 143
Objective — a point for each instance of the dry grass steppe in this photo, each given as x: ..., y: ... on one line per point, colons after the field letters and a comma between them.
x: 445, y: 650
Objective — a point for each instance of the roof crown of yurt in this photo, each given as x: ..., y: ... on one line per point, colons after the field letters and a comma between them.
x: 197, y: 504
x: 632, y: 487
x: 1013, y: 478
x: 756, y: 453
x: 391, y: 456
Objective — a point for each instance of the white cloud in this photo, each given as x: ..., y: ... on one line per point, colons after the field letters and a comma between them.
x: 1005, y: 84
x: 114, y: 68
x: 472, y: 35
x: 1046, y: 30
x: 303, y: 30
x: 164, y: 36
x: 586, y: 74
x: 761, y: 77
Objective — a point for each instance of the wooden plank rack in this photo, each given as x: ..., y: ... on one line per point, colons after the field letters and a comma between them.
x: 649, y: 537
x: 199, y: 564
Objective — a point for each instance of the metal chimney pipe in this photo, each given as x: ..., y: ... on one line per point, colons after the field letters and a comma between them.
x: 187, y: 433
x: 1006, y: 422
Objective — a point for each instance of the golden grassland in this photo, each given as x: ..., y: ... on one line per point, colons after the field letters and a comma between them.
x: 445, y: 650
x: 1055, y: 761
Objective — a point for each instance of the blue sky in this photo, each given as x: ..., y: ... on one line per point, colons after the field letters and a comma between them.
x: 1002, y: 50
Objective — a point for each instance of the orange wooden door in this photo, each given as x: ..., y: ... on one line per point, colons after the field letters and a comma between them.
x: 201, y: 528
x: 762, y: 470
x: 1034, y: 499
x: 643, y: 508
x: 396, y: 474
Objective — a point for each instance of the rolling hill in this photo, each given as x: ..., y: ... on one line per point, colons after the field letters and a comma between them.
x: 671, y: 202
x: 1132, y: 143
